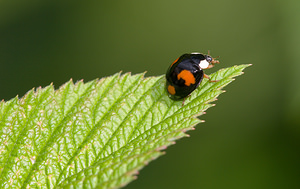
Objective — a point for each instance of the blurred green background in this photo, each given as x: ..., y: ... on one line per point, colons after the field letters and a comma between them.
x: 251, y: 139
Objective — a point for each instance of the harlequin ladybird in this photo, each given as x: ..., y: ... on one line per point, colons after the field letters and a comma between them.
x: 186, y: 73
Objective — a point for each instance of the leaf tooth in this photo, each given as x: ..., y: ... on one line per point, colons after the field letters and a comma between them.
x: 122, y: 78
x: 126, y: 153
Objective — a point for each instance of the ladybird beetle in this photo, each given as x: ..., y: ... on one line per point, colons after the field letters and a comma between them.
x: 186, y: 73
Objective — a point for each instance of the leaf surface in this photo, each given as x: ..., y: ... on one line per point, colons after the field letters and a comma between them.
x: 96, y: 134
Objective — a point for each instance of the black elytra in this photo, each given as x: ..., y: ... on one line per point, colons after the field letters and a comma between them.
x: 185, y: 74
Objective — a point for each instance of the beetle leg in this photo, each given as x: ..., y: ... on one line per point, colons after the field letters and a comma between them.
x: 210, y: 66
x: 207, y: 77
x: 184, y: 99
x: 214, y: 61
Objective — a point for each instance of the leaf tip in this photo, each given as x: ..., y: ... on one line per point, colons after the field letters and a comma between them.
x: 164, y: 147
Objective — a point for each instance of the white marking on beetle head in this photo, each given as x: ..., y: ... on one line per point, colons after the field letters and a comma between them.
x: 195, y: 53
x: 203, y: 64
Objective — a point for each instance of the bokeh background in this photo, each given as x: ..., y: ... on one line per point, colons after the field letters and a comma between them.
x: 251, y: 139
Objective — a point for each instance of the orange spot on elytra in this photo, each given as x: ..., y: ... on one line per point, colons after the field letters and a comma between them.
x: 187, y: 76
x: 171, y: 89
x: 175, y: 61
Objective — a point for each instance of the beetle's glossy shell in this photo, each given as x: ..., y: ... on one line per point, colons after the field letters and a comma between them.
x: 184, y: 75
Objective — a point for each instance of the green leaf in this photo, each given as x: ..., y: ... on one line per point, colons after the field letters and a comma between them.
x: 96, y: 134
